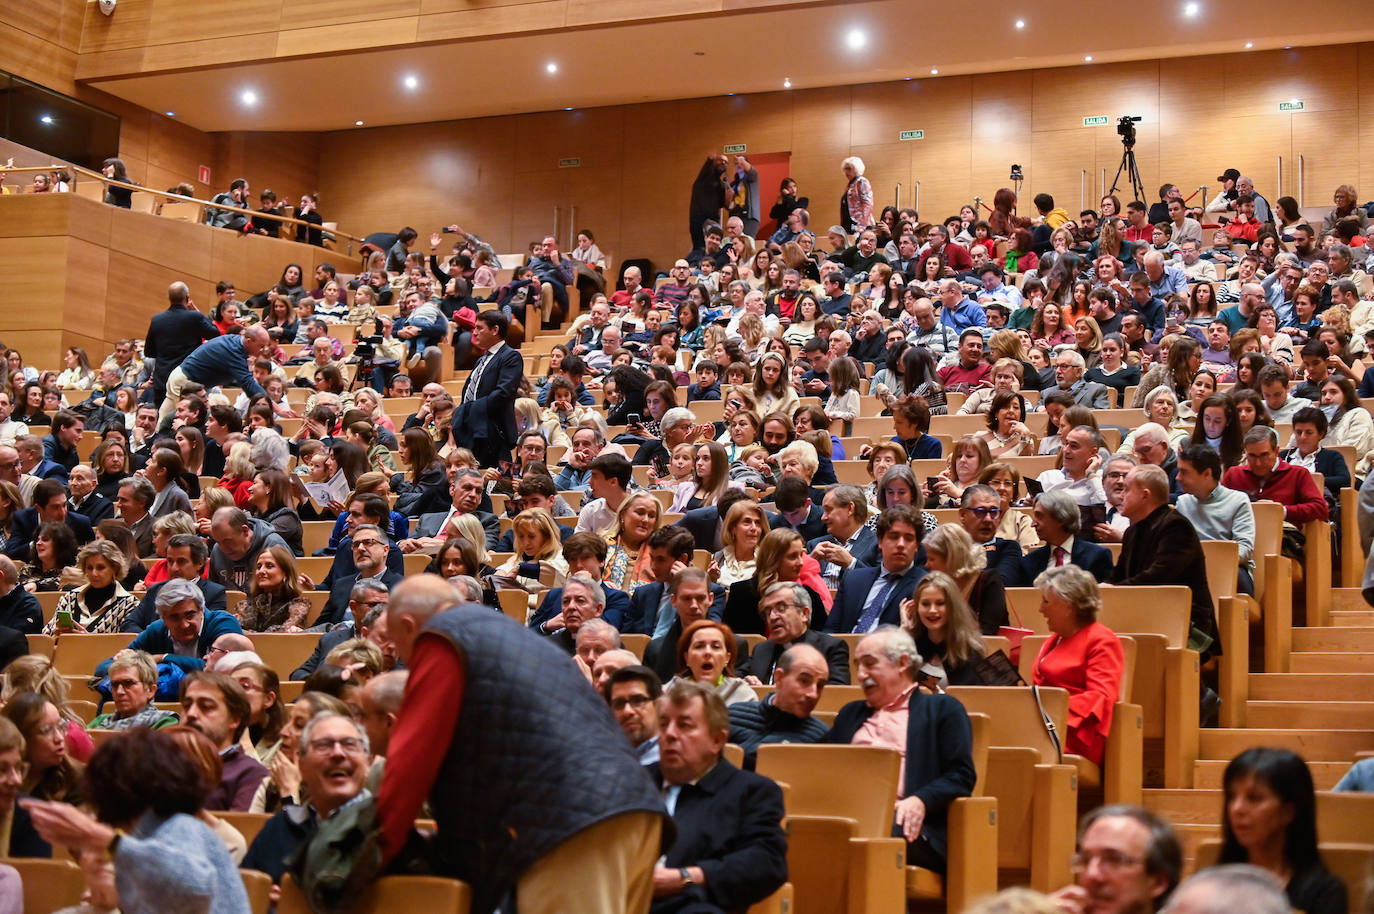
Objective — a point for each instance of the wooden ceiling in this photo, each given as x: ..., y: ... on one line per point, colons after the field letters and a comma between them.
x: 745, y: 46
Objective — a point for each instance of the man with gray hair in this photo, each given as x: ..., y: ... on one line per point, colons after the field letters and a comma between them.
x: 333, y: 756
x: 185, y: 630
x: 786, y: 611
x: 583, y: 600
x: 1057, y: 519
x: 185, y: 559
x: 1162, y: 547
x: 19, y: 609
x: 932, y: 732
x: 1068, y: 373
x: 1152, y: 448
x: 1077, y: 475
x: 1228, y: 888
x: 135, y: 502
x: 367, y: 611
x: 849, y: 542
x: 594, y: 638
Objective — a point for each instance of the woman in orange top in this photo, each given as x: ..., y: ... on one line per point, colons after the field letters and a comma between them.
x: 1081, y: 655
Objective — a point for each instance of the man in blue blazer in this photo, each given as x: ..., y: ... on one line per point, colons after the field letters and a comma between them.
x: 980, y: 513
x: 869, y: 597
x: 583, y: 552
x: 850, y: 543
x: 1055, y: 516
x: 49, y: 507
x: 650, y: 611
x: 938, y: 746
x: 485, y: 417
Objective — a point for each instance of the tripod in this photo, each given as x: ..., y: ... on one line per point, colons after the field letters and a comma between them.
x: 1128, y: 165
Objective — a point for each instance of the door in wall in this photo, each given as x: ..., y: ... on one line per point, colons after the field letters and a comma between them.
x: 772, y: 168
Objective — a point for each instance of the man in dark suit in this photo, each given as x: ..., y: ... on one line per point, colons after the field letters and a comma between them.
x: 32, y: 462
x: 786, y: 610
x: 651, y: 611
x: 869, y: 597
x: 796, y: 511
x: 174, y: 334
x: 938, y: 746
x: 370, y: 547
x: 49, y: 507
x: 849, y: 542
x: 19, y: 609
x: 1056, y: 519
x: 368, y: 606
x: 466, y: 490
x: 1162, y: 547
x: 730, y: 851
x: 583, y: 552
x: 486, y: 415
x: 692, y: 599
x: 980, y: 513
x: 85, y: 500
x: 186, y: 557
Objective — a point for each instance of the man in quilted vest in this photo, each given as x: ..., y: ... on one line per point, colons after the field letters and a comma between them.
x: 488, y: 703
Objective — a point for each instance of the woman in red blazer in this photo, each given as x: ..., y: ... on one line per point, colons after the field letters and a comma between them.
x: 1082, y: 655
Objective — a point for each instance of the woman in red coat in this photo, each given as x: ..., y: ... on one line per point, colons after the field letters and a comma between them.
x: 1082, y: 655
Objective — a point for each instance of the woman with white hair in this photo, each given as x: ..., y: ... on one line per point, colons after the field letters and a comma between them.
x: 270, y: 450
x: 856, y: 205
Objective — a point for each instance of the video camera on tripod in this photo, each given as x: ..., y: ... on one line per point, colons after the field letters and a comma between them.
x: 1125, y: 128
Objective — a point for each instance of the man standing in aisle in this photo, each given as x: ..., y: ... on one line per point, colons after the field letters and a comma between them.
x: 174, y: 334
x: 486, y: 417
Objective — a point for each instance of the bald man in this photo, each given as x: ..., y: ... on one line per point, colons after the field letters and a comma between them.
x: 582, y: 835
x: 221, y: 362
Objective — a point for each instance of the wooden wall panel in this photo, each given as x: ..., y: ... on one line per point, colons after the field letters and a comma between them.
x: 311, y: 13
x: 41, y: 39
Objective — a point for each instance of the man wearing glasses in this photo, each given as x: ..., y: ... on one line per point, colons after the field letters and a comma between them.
x: 333, y: 756
x: 786, y: 610
x: 980, y: 514
x: 1128, y: 862
x: 633, y: 692
x: 370, y: 548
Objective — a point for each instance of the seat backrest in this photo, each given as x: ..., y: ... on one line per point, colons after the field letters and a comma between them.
x: 1161, y: 609
x: 247, y: 824
x: 284, y: 652
x: 78, y: 654
x: 734, y: 754
x: 315, y: 534
x: 1348, y: 862
x: 514, y: 603
x: 49, y: 885
x: 258, y: 885
x: 391, y: 893
x: 1015, y: 721
x: 1223, y: 560
x: 870, y: 779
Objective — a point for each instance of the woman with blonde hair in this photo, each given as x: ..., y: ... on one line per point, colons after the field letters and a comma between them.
x: 101, y: 604
x: 11, y: 503
x: 370, y: 401
x: 469, y: 528
x: 939, y: 620
x: 275, y: 602
x: 1088, y: 337
x: 627, y: 553
x: 36, y: 673
x: 966, y: 460
x: 537, y: 564
x: 238, y: 474
x: 743, y: 529
x: 950, y: 549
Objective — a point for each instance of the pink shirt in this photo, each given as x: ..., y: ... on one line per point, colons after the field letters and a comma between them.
x: 887, y: 727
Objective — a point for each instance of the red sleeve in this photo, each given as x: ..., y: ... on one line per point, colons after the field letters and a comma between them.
x: 434, y: 695
x: 1308, y: 501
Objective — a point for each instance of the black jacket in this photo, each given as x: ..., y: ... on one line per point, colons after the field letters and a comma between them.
x: 642, y: 612
x: 95, y: 508
x: 729, y: 823
x: 939, y: 755
x: 759, y: 723
x: 20, y: 610
x: 767, y: 653
x: 24, y: 527
x: 742, y: 608
x: 172, y: 336
x: 1164, y: 549
x: 811, y: 528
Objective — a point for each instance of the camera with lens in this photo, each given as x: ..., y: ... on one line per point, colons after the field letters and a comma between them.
x: 1125, y: 128
x: 366, y: 347
x: 1016, y: 173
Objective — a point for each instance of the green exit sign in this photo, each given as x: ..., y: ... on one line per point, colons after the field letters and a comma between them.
x: 1293, y: 105
x: 1097, y: 120
x: 736, y: 149
x: 912, y: 135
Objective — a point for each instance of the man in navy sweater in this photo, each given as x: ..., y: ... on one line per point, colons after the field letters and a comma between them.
x: 224, y: 360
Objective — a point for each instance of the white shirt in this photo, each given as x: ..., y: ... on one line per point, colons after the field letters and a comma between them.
x: 595, y: 517
x: 9, y: 430
x: 1086, y: 491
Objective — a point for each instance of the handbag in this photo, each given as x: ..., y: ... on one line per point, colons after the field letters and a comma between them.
x: 1014, y: 634
x: 1049, y: 724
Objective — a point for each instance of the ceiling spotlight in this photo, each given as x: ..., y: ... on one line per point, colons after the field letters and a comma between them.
x: 1088, y: 59
x: 46, y: 119
x: 787, y: 83
x: 357, y: 123
x: 248, y: 97
x: 856, y: 39
x: 551, y: 68
x: 569, y: 108
x: 934, y: 71
x: 1191, y: 9
x: 1020, y: 23
x: 1249, y: 44
x: 411, y: 82
x: 170, y: 113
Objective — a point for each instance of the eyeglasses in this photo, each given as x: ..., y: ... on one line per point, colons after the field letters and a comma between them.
x: 215, y: 650
x: 1115, y: 474
x: 778, y: 609
x: 124, y: 684
x: 368, y: 543
x: 50, y: 729
x: 984, y: 513
x: 1108, y: 860
x: 324, y: 744
x: 633, y: 701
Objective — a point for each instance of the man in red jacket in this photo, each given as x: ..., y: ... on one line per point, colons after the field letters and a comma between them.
x: 1264, y: 477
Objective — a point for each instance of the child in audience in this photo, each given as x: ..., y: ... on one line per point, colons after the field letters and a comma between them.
x: 562, y: 412
x: 707, y: 386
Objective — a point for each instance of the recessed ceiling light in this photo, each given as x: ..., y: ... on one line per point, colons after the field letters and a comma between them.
x: 550, y: 67
x: 248, y: 97
x: 357, y: 123
x: 569, y: 108
x: 1249, y: 44
x: 411, y: 81
x: 910, y: 78
x: 170, y: 113
x: 856, y: 39
x: 1089, y: 58
x: 787, y: 83
x: 1191, y: 9
x: 934, y: 71
x: 47, y: 119
x: 1020, y: 23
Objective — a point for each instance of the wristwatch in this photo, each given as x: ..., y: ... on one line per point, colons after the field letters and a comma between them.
x: 687, y: 880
